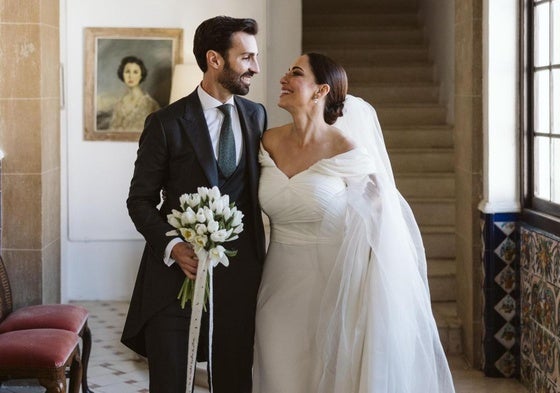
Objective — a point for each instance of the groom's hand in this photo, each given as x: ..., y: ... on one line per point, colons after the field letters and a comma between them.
x: 184, y: 255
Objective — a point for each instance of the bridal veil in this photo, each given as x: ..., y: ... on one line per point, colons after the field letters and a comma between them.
x: 376, y: 328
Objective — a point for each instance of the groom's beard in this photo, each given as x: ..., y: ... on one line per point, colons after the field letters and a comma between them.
x: 231, y: 80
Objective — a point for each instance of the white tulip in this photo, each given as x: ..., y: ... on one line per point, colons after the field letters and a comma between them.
x: 217, y: 206
x: 200, y: 229
x: 209, y: 214
x: 183, y: 200
x: 188, y: 234
x: 176, y: 213
x: 200, y: 241
x: 237, y: 217
x: 226, y: 213
x: 203, y: 192
x: 173, y: 221
x: 188, y: 217
x: 200, y: 216
x: 225, y: 199
x: 193, y: 200
x: 213, y: 226
x: 214, y: 193
x: 217, y: 255
x: 220, y: 236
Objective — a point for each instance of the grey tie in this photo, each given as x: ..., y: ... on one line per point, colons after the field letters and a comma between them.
x: 226, y: 144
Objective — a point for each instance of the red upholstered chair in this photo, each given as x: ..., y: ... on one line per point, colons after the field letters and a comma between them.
x: 43, y: 354
x: 68, y: 317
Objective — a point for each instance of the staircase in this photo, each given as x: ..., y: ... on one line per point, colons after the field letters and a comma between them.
x: 382, y: 47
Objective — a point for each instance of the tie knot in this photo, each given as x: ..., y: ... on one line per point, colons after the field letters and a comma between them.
x: 226, y: 109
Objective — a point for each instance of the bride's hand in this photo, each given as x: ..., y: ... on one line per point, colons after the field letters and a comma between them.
x: 372, y: 187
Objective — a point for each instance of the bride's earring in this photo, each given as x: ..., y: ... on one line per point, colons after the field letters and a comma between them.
x: 315, y: 99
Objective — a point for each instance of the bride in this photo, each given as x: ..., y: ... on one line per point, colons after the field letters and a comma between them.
x: 344, y: 305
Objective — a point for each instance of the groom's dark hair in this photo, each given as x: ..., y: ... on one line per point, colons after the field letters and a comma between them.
x: 215, y: 34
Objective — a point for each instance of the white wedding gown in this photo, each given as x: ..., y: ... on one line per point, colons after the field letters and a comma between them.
x: 344, y: 304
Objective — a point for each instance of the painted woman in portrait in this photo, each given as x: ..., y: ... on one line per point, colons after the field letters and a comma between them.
x: 131, y: 109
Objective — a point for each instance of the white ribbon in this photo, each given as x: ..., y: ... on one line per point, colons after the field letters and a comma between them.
x: 203, y: 273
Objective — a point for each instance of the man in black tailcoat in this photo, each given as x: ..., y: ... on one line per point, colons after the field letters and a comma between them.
x: 177, y: 153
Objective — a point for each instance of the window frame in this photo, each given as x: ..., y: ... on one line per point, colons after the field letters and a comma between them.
x: 536, y: 211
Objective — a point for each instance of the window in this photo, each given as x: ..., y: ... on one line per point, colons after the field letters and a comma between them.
x: 543, y: 99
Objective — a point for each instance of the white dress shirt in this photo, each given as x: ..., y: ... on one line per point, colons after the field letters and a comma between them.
x: 214, y: 119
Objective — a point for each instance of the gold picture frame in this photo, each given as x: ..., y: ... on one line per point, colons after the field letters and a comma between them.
x: 111, y: 110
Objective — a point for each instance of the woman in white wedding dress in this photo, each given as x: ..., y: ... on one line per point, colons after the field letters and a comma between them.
x: 344, y: 305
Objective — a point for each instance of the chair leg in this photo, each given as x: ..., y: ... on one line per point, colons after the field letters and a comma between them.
x: 56, y: 385
x: 75, y: 373
x: 86, y: 342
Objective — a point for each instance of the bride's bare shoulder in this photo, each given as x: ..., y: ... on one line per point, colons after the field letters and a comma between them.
x: 273, y: 136
x: 342, y: 142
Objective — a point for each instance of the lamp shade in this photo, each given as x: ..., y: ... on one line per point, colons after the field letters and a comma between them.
x: 185, y: 78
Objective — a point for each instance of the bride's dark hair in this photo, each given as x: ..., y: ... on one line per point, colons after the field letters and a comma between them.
x: 329, y: 72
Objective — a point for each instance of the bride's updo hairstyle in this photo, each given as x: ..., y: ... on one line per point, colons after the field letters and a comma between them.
x: 328, y: 72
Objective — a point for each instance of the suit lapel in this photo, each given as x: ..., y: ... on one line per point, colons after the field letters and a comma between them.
x: 196, y: 129
x: 251, y: 139
x: 247, y: 120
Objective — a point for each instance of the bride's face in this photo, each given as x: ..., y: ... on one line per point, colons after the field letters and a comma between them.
x: 298, y: 86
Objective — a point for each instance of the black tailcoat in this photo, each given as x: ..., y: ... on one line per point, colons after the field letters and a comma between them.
x: 175, y: 156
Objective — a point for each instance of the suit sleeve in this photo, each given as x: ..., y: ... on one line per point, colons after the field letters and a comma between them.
x: 150, y: 175
x: 263, y: 120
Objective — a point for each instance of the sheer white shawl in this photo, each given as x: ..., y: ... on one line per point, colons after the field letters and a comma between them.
x: 376, y: 327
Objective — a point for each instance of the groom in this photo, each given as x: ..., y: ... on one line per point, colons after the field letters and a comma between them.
x: 178, y: 152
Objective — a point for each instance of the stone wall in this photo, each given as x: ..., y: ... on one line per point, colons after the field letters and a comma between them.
x: 30, y: 139
x: 469, y: 149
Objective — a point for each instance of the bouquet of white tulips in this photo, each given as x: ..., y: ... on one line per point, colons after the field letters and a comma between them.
x: 207, y: 220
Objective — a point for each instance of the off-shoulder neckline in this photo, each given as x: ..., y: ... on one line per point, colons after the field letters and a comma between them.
x: 310, y: 167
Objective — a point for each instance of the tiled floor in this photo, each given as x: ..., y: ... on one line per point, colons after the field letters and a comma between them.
x: 115, y: 369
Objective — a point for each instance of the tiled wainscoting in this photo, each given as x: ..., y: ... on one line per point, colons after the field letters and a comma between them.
x: 500, y: 295
x: 540, y: 309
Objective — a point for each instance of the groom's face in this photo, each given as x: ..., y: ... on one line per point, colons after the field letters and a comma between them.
x: 240, y: 64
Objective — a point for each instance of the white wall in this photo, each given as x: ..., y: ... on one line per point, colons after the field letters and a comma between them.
x: 438, y: 17
x: 283, y: 46
x: 100, y: 247
x: 501, y: 107
x: 500, y: 91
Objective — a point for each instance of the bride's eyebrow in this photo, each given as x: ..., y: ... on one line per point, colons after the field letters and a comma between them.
x: 295, y: 68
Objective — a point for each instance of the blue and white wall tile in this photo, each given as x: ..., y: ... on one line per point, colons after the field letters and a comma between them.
x: 540, y: 309
x: 500, y: 294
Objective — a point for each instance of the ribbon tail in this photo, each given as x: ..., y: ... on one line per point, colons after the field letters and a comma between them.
x: 210, y: 325
x: 197, y: 304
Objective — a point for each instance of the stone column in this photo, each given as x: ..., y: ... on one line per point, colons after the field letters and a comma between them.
x: 30, y: 139
x: 468, y: 172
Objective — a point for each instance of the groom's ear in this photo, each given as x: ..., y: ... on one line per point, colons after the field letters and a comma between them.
x: 214, y: 59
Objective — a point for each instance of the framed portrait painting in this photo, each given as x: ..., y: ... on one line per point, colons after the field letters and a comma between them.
x: 127, y: 76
